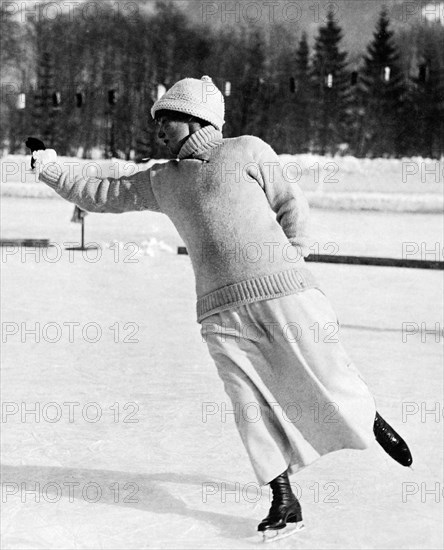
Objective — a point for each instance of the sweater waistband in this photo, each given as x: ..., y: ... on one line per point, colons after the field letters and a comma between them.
x: 255, y: 290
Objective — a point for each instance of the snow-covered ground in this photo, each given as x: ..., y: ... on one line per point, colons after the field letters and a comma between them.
x: 130, y: 447
x: 347, y: 183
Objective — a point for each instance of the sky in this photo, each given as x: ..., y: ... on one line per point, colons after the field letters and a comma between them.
x: 356, y: 17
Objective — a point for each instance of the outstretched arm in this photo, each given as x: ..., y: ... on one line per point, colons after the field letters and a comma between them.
x: 114, y: 195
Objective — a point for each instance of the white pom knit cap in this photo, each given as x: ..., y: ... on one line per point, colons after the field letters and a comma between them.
x: 199, y: 98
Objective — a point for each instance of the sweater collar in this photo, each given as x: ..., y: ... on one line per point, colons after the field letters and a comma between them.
x: 199, y: 144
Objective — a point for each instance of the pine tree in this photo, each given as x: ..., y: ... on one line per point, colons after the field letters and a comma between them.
x: 253, y: 87
x: 330, y: 88
x: 15, y: 56
x: 277, y: 91
x: 45, y: 101
x: 427, y: 99
x: 303, y: 103
x: 382, y: 93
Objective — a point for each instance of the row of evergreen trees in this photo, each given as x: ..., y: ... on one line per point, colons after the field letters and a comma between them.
x: 95, y: 82
x: 378, y: 110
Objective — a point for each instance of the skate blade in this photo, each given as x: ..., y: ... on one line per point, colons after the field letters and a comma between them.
x: 272, y: 535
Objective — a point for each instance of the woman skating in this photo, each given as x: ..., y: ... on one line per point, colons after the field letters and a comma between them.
x: 245, y: 228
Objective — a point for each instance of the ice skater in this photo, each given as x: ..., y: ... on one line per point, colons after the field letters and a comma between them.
x: 245, y: 226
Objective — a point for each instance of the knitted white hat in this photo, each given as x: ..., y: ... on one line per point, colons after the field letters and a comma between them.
x: 200, y: 98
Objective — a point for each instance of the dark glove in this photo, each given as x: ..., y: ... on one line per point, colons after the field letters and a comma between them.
x: 35, y: 145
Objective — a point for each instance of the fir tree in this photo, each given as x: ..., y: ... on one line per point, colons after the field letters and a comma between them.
x: 292, y: 101
x: 303, y: 103
x: 253, y: 86
x: 427, y: 99
x: 45, y: 101
x: 279, y: 103
x: 382, y: 93
x: 330, y: 88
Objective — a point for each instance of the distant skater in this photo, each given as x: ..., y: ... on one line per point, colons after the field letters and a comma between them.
x: 246, y: 230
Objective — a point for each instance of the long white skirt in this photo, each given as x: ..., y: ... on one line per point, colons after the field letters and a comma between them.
x: 294, y: 391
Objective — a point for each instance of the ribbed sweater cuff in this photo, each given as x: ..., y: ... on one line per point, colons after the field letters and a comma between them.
x: 50, y: 174
x: 255, y: 290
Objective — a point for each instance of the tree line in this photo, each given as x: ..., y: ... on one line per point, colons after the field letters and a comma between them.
x: 87, y: 83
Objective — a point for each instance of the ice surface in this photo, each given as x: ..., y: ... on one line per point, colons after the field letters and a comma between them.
x: 192, y: 482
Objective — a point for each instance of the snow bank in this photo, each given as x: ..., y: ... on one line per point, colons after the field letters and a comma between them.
x: 402, y: 185
x: 383, y: 202
x: 350, y: 174
x: 145, y: 248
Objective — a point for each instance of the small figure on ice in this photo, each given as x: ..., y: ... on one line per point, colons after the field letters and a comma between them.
x: 219, y: 193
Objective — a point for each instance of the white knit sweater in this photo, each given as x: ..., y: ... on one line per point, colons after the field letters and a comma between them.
x: 244, y: 224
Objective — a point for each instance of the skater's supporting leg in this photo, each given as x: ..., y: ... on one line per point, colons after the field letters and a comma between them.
x: 285, y: 509
x: 392, y: 443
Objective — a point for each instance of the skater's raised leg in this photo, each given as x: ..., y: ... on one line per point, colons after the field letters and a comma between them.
x: 285, y: 508
x: 391, y: 442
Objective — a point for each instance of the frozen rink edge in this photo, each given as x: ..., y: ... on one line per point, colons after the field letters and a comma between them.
x: 382, y: 202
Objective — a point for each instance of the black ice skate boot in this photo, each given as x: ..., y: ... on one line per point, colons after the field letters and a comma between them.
x: 391, y: 442
x: 285, y: 508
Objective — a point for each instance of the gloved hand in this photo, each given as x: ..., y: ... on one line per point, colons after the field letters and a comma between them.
x: 34, y: 144
x: 42, y: 158
x: 39, y: 154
